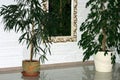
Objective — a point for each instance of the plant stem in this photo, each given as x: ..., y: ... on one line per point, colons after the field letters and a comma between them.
x: 104, y: 39
x: 32, y: 46
x: 104, y: 31
x: 31, y: 52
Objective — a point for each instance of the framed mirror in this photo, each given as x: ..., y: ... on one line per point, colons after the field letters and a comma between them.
x: 64, y: 19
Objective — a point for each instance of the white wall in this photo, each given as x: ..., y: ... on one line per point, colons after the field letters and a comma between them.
x: 12, y: 53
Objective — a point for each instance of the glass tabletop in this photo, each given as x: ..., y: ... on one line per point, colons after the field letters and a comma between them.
x: 85, y: 72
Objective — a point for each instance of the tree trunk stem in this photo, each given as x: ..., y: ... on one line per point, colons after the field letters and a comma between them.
x: 31, y: 43
x: 104, y: 40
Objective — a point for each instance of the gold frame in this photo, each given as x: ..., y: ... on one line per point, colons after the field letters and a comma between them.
x: 73, y: 36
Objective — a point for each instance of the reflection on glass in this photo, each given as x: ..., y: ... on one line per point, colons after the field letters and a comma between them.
x: 30, y: 78
x: 103, y: 76
x: 88, y: 73
x: 116, y: 72
x: 43, y: 76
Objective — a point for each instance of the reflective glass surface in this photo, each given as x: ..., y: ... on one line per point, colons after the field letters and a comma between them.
x: 82, y: 72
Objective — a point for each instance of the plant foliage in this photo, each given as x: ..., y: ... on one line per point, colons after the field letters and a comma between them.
x: 101, y: 29
x: 27, y: 17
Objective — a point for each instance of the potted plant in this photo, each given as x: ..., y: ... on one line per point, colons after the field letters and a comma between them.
x: 101, y: 32
x: 28, y: 18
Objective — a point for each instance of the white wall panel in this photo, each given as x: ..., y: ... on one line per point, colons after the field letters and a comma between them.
x: 12, y: 53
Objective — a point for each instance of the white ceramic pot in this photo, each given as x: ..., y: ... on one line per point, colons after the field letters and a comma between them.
x: 102, y: 62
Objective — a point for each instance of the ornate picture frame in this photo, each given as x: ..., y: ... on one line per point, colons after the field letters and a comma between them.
x: 73, y: 36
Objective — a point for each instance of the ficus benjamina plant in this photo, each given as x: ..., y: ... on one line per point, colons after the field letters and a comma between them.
x: 101, y: 28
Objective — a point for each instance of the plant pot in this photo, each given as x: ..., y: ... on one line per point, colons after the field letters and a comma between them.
x: 31, y: 68
x: 102, y: 62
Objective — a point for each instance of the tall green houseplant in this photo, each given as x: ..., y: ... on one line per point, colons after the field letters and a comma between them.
x: 101, y: 29
x: 28, y: 18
